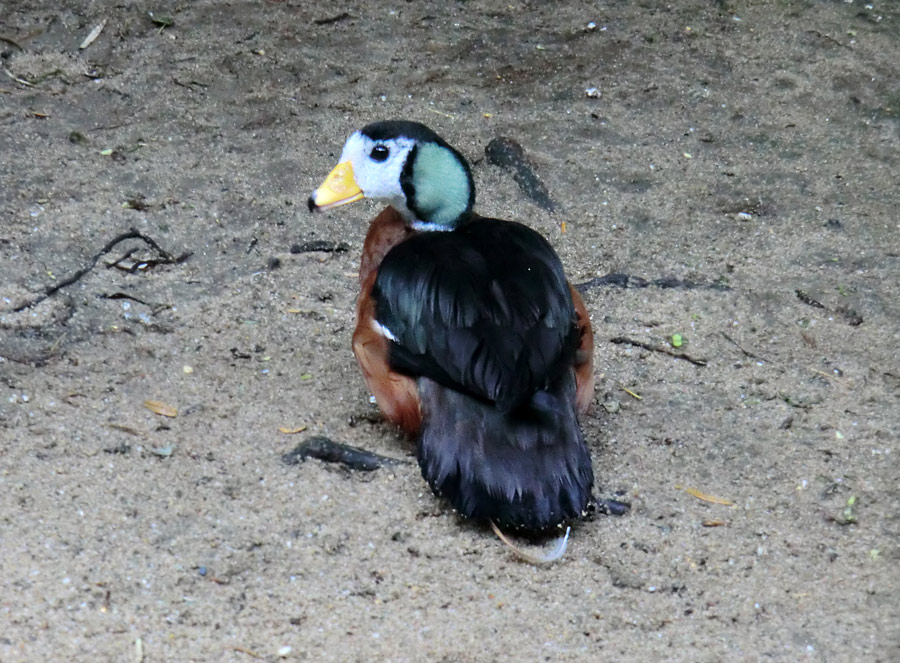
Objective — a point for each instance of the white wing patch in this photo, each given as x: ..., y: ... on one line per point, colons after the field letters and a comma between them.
x: 384, y: 331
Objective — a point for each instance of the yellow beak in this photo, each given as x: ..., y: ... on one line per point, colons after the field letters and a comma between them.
x: 339, y: 188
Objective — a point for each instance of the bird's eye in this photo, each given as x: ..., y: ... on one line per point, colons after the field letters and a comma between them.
x: 379, y: 153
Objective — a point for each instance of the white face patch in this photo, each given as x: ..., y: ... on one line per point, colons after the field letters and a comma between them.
x: 378, y: 179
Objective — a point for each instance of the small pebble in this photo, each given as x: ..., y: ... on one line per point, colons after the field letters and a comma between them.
x: 201, y: 570
x: 284, y: 651
x: 612, y: 406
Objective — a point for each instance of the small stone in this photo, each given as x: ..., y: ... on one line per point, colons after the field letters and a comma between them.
x: 612, y: 406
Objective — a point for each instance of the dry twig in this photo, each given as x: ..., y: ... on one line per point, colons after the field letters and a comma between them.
x: 623, y: 340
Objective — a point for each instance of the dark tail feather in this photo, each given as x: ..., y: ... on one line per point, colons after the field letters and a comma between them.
x: 528, y: 469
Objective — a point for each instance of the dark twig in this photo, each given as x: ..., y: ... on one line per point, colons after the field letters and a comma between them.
x: 622, y: 340
x: 12, y: 42
x: 131, y: 234
x: 125, y: 256
x: 323, y: 448
x: 850, y: 315
x: 738, y: 346
x: 821, y: 35
x: 153, y: 262
x: 331, y: 19
x: 804, y: 297
x: 627, y: 281
x: 123, y: 295
x: 322, y: 245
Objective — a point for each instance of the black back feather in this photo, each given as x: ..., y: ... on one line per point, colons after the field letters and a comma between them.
x: 484, y: 309
x: 526, y: 470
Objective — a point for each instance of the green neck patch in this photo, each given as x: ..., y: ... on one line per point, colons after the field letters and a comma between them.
x: 442, y: 186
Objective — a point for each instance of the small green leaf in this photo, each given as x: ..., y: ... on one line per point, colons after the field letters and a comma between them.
x: 849, y: 513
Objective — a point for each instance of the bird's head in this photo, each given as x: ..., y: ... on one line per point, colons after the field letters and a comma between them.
x: 407, y: 165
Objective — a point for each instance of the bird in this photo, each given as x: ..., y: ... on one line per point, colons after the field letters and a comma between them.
x: 468, y: 333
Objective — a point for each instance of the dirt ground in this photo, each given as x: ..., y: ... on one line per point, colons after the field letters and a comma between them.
x: 746, y: 152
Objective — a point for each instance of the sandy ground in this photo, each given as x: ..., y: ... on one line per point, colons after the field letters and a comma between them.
x: 753, y: 145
